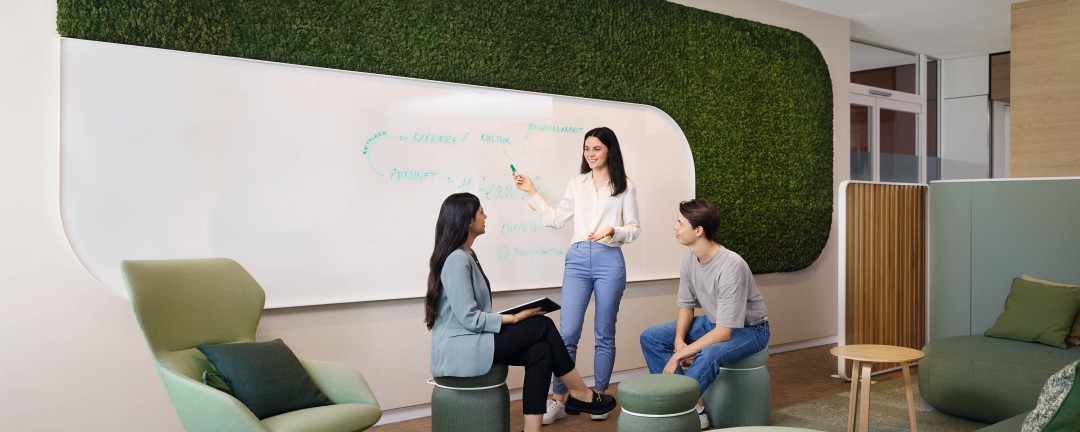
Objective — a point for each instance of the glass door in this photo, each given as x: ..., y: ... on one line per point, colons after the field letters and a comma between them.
x: 885, y: 138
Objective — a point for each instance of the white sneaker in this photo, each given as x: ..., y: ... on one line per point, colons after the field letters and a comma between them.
x: 704, y: 419
x: 598, y: 416
x: 555, y: 410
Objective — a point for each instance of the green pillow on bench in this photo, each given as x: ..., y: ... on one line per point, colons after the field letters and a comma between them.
x: 1074, y: 334
x: 1037, y: 312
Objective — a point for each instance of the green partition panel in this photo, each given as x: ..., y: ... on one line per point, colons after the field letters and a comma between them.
x: 1021, y: 227
x: 949, y: 297
x: 985, y: 233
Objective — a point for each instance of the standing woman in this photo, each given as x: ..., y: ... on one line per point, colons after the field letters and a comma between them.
x: 467, y: 338
x: 605, y: 203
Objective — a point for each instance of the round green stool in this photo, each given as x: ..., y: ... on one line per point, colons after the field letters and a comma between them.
x: 480, y: 404
x: 740, y: 394
x: 655, y: 403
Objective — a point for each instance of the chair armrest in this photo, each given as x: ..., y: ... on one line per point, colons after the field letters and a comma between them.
x: 203, y: 408
x: 340, y: 383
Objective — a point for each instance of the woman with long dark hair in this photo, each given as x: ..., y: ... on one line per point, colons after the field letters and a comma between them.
x: 467, y: 338
x: 605, y: 202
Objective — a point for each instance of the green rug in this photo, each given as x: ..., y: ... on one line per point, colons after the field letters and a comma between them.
x: 888, y: 412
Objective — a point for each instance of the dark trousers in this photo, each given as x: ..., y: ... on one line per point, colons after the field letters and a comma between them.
x: 536, y: 344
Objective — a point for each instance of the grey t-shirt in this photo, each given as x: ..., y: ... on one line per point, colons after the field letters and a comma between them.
x: 724, y: 288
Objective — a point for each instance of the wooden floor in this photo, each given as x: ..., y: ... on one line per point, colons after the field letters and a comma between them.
x: 797, y: 376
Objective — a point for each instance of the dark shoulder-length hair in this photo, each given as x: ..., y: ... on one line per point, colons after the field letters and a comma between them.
x: 614, y: 160
x: 451, y: 231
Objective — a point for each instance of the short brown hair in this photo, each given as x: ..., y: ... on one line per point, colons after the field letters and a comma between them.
x: 701, y: 213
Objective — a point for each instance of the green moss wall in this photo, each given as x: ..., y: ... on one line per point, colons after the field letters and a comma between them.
x: 754, y: 101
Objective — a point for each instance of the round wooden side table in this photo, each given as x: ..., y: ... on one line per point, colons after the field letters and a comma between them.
x: 862, y: 358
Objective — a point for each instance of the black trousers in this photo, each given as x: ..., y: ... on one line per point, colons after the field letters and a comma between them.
x: 536, y: 344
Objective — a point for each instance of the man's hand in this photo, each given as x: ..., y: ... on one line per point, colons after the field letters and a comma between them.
x: 671, y: 366
x: 684, y: 357
x: 679, y: 345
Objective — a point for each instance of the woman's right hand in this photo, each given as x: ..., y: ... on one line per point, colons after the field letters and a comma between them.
x: 524, y: 184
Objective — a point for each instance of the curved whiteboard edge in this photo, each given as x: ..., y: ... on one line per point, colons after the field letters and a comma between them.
x: 685, y: 143
x: 420, y: 80
x: 121, y: 293
x: 60, y: 173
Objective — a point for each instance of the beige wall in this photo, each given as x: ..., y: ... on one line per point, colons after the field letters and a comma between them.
x: 74, y: 358
x: 1045, y: 78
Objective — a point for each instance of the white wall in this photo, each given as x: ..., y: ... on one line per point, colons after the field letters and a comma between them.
x: 965, y: 118
x: 74, y: 358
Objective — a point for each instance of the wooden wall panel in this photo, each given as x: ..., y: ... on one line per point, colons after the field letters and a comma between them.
x: 1045, y: 89
x: 885, y: 299
x: 999, y: 76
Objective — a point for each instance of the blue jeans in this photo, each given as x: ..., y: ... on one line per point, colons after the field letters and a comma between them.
x: 658, y: 345
x: 592, y: 268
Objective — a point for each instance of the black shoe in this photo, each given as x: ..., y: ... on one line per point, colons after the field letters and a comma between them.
x: 600, y: 404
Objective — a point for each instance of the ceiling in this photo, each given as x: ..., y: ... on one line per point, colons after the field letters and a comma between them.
x: 938, y: 28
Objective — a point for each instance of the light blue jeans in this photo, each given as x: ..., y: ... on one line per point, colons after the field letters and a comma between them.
x: 658, y: 345
x: 592, y: 268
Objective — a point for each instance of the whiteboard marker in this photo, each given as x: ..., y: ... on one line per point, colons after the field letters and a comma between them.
x: 513, y: 169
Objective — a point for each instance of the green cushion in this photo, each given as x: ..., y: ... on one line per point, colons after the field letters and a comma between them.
x: 266, y: 376
x: 1074, y: 334
x: 658, y: 394
x: 1037, y: 312
x: 214, y: 380
x: 1058, y: 409
x: 494, y: 376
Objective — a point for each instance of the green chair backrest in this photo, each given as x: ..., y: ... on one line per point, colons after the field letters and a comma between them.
x: 184, y: 303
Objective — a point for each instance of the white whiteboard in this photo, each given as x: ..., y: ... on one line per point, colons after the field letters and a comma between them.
x: 326, y: 184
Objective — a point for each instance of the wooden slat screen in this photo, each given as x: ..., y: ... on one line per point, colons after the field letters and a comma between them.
x: 885, y: 299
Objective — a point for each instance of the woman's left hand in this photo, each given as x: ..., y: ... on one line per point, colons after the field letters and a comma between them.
x: 522, y: 315
x: 600, y: 235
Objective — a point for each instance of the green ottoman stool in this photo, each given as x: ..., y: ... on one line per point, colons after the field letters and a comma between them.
x: 655, y: 403
x: 480, y: 404
x: 740, y: 394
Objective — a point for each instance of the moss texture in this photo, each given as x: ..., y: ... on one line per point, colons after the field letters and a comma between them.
x: 754, y: 101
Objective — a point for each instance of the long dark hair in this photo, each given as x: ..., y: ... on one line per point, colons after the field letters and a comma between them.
x: 451, y: 231
x: 614, y: 160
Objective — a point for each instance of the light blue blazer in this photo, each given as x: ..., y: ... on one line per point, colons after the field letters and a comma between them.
x: 462, y: 339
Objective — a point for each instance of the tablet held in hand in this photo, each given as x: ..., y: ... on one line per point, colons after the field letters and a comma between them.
x: 545, y: 304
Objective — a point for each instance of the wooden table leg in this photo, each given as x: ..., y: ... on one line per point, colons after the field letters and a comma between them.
x: 854, y: 395
x: 864, y: 397
x: 910, y: 396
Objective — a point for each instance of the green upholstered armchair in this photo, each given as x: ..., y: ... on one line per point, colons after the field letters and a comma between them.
x: 181, y: 304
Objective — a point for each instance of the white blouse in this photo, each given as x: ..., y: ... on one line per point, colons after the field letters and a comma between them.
x: 595, y: 209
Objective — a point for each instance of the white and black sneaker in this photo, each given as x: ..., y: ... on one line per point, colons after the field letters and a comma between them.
x: 702, y: 417
x: 555, y: 410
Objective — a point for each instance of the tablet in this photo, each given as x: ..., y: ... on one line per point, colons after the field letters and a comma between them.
x: 545, y: 303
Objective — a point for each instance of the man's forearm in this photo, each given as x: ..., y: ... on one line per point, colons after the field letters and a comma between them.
x: 683, y: 321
